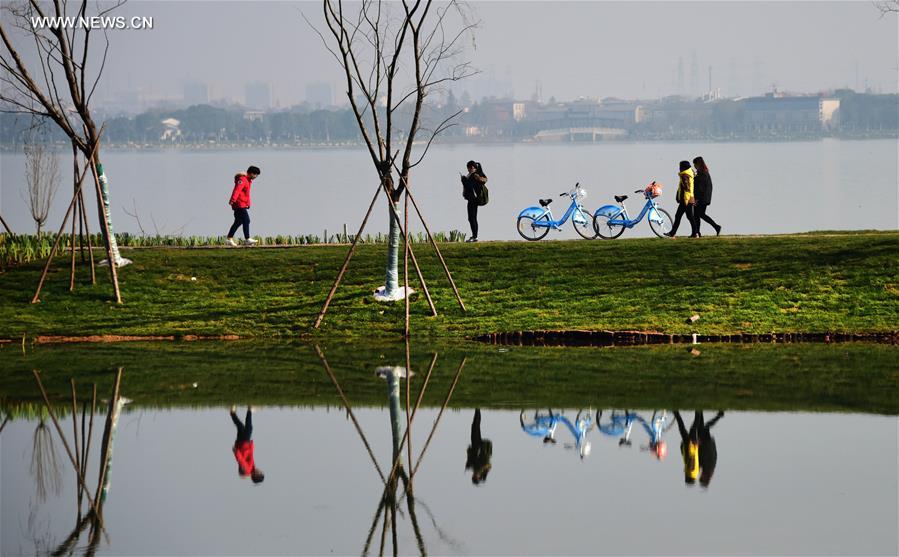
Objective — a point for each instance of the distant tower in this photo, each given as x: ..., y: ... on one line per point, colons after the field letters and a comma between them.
x: 538, y: 92
x: 734, y: 78
x: 757, y: 83
x: 694, y: 75
x: 680, y: 75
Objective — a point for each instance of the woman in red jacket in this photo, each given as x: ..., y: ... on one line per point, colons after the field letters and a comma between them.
x: 240, y: 203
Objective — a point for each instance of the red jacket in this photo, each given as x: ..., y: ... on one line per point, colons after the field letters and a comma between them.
x: 240, y: 197
x: 243, y: 452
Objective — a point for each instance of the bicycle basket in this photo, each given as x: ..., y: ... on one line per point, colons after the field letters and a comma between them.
x: 653, y: 190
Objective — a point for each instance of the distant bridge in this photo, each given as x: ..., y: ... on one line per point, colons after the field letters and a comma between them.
x: 580, y: 134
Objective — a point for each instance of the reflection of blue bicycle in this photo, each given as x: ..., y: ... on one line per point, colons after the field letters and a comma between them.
x: 609, y: 221
x: 534, y: 222
x: 621, y: 423
x: 544, y: 425
x: 616, y: 423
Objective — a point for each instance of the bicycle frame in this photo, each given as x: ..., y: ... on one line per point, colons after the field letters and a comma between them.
x: 614, y: 211
x: 539, y: 212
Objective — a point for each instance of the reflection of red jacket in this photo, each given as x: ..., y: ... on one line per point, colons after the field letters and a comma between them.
x: 243, y: 452
x: 240, y: 197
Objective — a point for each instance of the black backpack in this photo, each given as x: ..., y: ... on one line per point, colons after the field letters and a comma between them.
x: 482, y: 194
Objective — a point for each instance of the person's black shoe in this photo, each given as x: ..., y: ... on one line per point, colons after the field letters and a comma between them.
x: 473, y: 239
x: 718, y: 230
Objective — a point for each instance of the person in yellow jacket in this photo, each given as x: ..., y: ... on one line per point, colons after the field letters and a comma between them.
x: 685, y: 200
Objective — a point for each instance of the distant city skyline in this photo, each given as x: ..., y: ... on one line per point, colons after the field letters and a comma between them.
x: 523, y: 49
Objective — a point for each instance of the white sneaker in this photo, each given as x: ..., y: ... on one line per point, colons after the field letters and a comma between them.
x: 232, y: 242
x: 250, y: 242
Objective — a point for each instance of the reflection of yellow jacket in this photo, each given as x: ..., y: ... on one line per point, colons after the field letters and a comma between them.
x: 685, y: 188
x: 690, y: 452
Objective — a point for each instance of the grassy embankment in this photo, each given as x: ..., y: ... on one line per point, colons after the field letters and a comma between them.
x: 791, y: 377
x: 840, y: 282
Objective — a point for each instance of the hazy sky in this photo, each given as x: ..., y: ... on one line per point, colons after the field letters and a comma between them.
x: 631, y: 49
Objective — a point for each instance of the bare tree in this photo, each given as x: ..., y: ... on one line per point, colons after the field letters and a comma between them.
x: 887, y: 6
x: 393, y: 55
x: 56, y: 81
x: 41, y: 181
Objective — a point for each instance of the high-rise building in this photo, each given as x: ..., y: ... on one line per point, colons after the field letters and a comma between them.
x: 319, y: 94
x: 258, y: 95
x: 194, y: 92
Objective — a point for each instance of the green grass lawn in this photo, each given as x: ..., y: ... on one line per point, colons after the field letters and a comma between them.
x: 852, y: 377
x: 841, y: 282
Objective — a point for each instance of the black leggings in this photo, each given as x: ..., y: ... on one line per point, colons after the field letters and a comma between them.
x: 241, y: 217
x: 699, y: 213
x: 244, y: 430
x: 473, y: 218
x: 681, y: 209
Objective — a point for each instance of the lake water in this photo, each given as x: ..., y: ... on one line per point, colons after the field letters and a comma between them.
x: 804, y: 469
x: 760, y: 188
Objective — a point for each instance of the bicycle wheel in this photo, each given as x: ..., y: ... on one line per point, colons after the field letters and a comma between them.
x: 528, y: 230
x: 661, y: 228
x: 584, y: 229
x: 604, y: 228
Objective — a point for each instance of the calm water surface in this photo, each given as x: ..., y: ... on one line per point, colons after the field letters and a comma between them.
x: 784, y: 483
x: 760, y: 188
x: 786, y: 479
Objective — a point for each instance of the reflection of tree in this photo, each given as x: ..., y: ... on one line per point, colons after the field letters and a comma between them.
x: 92, y: 519
x: 390, y: 502
x: 44, y: 466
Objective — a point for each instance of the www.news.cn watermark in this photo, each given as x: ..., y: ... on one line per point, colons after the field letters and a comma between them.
x: 92, y: 22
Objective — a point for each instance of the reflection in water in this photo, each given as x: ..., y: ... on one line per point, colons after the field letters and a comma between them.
x: 390, y: 501
x: 477, y: 456
x: 44, y: 466
x: 621, y: 422
x: 347, y: 511
x: 93, y: 519
x: 544, y: 425
x: 243, y: 447
x: 698, y: 448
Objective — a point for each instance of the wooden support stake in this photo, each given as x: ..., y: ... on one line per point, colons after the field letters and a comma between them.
x: 446, y: 270
x: 421, y: 279
x: 346, y: 262
x: 87, y: 234
x: 40, y: 283
x: 406, y: 280
x: 6, y: 226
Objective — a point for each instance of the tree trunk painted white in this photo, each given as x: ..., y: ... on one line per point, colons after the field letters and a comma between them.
x: 391, y: 291
x: 113, y: 244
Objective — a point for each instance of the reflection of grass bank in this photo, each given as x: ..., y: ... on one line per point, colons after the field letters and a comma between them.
x: 827, y: 282
x: 851, y: 377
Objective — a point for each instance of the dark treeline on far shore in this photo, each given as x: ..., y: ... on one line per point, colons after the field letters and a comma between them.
x: 774, y: 116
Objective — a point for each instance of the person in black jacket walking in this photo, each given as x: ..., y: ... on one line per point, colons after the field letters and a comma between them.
x: 702, y: 190
x: 471, y: 185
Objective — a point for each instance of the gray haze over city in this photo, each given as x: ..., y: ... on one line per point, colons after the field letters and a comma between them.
x: 523, y: 49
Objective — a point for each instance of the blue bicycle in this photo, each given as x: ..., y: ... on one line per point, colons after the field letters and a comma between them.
x: 544, y: 425
x: 609, y: 221
x: 534, y: 222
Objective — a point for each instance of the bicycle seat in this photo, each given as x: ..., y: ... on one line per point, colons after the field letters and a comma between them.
x: 545, y: 202
x: 620, y: 198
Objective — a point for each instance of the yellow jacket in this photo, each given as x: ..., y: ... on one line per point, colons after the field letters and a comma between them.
x: 685, y: 188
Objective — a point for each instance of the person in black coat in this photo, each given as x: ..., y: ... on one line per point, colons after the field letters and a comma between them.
x: 471, y: 185
x: 702, y: 191
x: 477, y: 456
